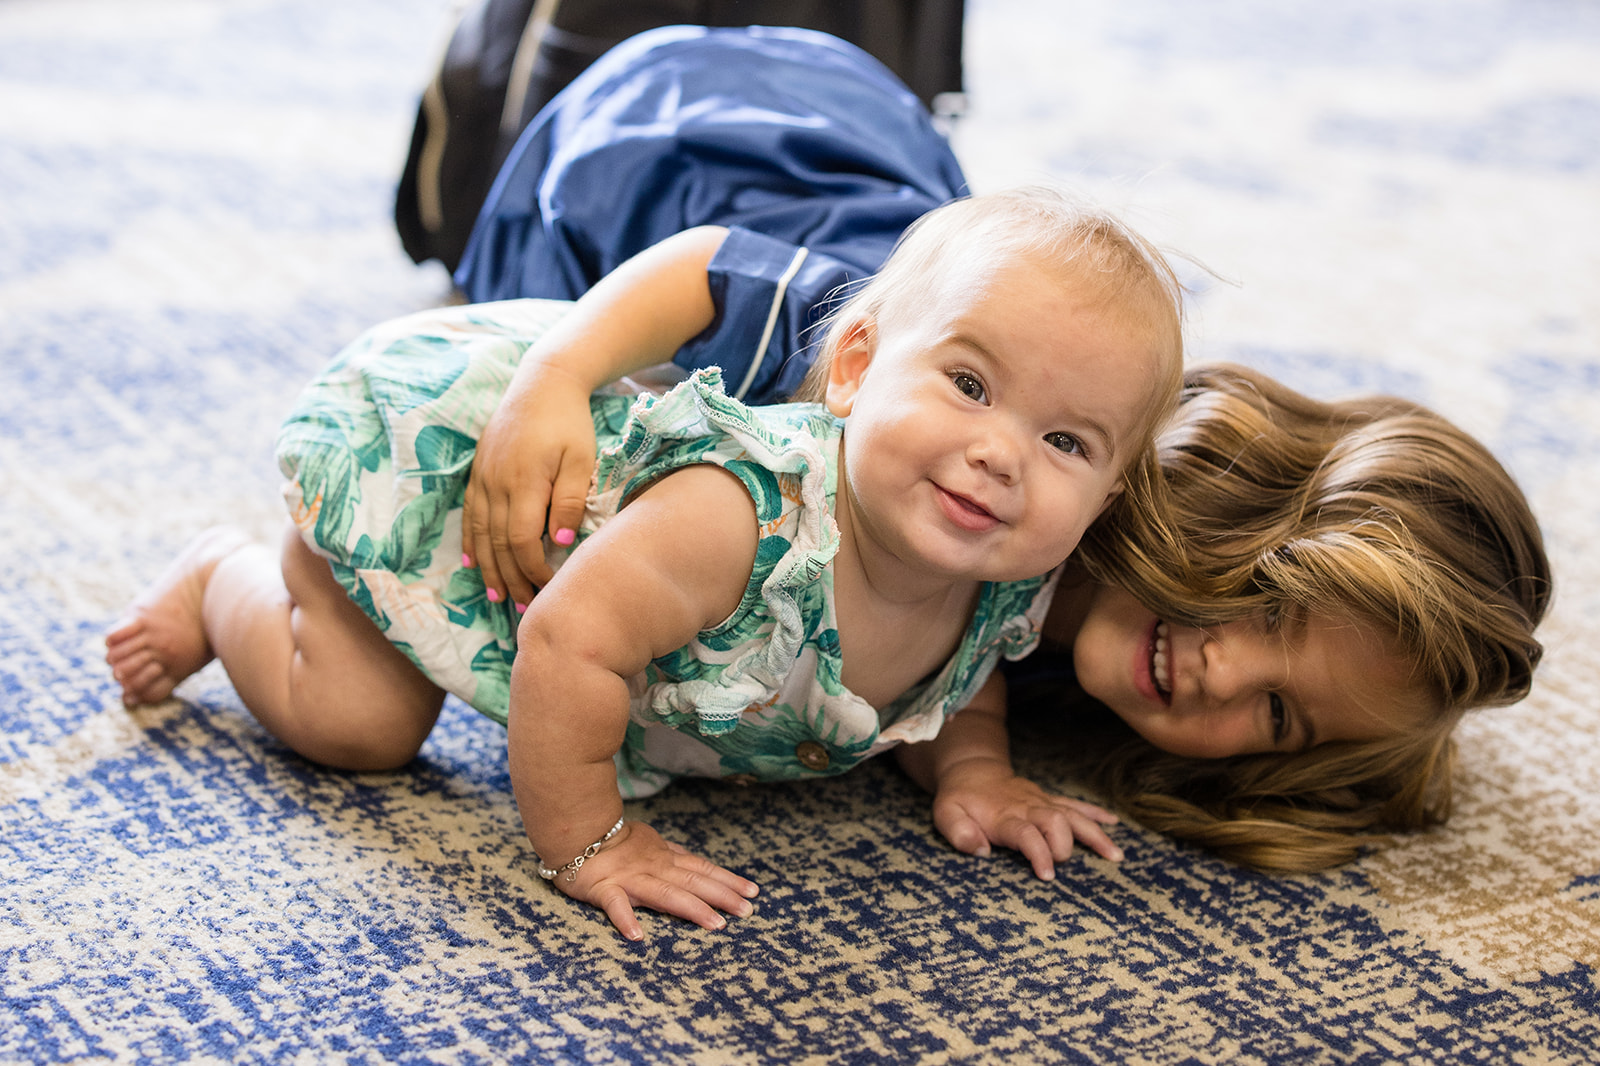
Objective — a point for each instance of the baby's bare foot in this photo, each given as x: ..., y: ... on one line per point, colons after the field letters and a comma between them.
x: 161, y: 638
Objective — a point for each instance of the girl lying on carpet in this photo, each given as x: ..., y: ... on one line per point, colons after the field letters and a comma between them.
x: 759, y: 593
x: 1374, y: 512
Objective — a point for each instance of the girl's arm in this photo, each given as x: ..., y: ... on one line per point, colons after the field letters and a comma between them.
x: 979, y: 801
x: 538, y: 449
x: 673, y: 562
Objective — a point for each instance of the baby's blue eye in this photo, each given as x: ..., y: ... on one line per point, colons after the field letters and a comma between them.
x: 968, y: 386
x: 1064, y: 442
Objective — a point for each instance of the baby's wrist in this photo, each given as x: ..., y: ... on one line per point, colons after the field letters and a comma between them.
x: 563, y: 861
x: 538, y: 377
x: 975, y: 769
x: 580, y: 368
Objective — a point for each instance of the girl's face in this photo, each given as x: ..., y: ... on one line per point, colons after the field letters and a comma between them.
x: 1247, y: 686
x: 986, y: 431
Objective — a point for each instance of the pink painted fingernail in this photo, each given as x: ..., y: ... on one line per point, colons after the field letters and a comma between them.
x: 466, y: 560
x: 521, y: 607
x: 564, y: 537
x: 494, y: 597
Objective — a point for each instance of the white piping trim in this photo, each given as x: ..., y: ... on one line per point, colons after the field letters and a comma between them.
x: 772, y: 321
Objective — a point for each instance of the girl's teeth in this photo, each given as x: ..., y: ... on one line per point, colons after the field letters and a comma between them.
x: 1160, y: 664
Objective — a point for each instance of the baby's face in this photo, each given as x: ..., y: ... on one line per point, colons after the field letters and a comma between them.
x: 987, y: 431
x: 1247, y: 686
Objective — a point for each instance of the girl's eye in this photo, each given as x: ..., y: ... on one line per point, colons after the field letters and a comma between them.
x: 1272, y: 619
x: 968, y: 386
x: 1064, y: 442
x: 1280, y: 719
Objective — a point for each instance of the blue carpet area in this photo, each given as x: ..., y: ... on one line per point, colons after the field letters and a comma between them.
x: 1400, y: 195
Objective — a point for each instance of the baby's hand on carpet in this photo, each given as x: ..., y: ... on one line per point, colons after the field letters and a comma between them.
x: 982, y: 803
x: 640, y: 869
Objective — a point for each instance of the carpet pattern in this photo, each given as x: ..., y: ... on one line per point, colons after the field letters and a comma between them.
x: 1389, y: 194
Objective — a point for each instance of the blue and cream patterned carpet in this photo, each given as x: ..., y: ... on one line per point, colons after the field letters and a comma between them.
x: 194, y: 196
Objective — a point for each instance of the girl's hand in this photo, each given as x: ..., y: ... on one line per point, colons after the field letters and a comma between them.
x: 640, y: 869
x: 536, y: 454
x: 982, y: 803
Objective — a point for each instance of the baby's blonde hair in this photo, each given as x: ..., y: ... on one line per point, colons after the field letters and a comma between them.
x: 1377, y: 510
x: 1047, y: 226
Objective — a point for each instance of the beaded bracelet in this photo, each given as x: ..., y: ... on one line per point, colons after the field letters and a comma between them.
x: 571, y: 868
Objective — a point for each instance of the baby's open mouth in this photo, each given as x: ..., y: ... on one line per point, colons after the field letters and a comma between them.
x: 1161, y: 661
x: 970, y: 505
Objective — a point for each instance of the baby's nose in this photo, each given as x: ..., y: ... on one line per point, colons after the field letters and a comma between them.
x: 995, y: 452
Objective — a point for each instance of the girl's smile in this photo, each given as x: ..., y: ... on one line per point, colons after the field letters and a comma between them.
x: 1245, y: 686
x: 1157, y: 677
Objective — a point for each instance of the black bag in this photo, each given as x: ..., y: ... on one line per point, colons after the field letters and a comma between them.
x: 507, y: 58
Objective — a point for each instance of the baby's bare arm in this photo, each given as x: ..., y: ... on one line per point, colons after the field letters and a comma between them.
x: 534, y: 458
x: 979, y: 800
x: 673, y: 562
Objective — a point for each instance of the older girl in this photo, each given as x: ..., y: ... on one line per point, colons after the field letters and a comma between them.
x: 1361, y: 574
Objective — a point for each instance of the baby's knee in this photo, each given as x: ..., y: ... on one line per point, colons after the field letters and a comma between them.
x: 361, y: 754
x: 360, y: 734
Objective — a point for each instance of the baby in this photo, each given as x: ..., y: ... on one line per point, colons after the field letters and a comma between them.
x: 766, y: 593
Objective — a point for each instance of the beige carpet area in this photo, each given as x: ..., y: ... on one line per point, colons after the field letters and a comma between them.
x: 1391, y: 195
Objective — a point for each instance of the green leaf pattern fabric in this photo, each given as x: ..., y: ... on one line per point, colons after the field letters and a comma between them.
x: 376, y: 455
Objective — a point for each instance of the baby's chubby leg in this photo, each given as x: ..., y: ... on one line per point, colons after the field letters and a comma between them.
x: 304, y: 659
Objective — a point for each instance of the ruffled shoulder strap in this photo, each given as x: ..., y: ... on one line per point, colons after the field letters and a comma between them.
x: 1007, y: 623
x: 782, y: 455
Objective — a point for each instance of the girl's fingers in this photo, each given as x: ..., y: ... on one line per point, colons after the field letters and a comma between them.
x: 476, y: 548
x: 491, y: 551
x: 474, y: 518
x: 488, y: 568
x: 467, y: 508
x: 525, y: 570
x: 568, y: 495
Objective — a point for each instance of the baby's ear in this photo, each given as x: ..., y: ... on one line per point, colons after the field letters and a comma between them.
x: 1111, y: 495
x: 849, y: 366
